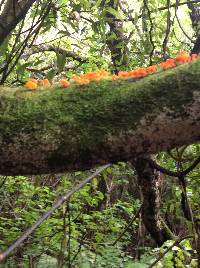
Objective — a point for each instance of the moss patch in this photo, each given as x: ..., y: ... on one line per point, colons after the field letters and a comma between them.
x: 71, y: 122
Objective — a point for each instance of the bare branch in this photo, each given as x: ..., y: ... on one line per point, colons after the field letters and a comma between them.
x: 60, y: 50
x: 42, y: 70
x: 174, y: 173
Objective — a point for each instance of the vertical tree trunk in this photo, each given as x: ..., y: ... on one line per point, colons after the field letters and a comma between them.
x: 116, y: 39
x: 149, y: 181
x: 195, y: 19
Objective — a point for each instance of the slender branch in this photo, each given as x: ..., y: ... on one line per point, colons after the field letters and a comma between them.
x: 128, y: 225
x: 189, y: 169
x: 51, y: 48
x: 32, y: 33
x: 177, y: 242
x: 174, y: 173
x: 179, y: 4
x: 162, y: 9
x: 182, y: 29
x: 187, y: 210
x: 167, y: 33
x: 46, y: 215
x: 180, y: 41
x: 69, y: 235
x: 70, y: 66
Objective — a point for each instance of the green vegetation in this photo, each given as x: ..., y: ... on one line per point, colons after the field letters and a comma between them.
x: 142, y: 210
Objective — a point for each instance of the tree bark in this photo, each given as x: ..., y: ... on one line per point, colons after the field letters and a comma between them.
x: 149, y: 181
x: 52, y: 131
x: 12, y: 14
x: 195, y: 19
x: 116, y: 39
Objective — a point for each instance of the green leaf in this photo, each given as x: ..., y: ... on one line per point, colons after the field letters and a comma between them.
x: 98, y: 3
x: 61, y: 61
x: 115, y: 13
x: 4, y: 46
x: 50, y: 74
x: 22, y: 68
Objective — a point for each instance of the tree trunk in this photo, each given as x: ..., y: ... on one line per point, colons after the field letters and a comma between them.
x: 12, y: 14
x: 52, y: 131
x: 116, y: 39
x: 149, y: 181
x: 195, y: 19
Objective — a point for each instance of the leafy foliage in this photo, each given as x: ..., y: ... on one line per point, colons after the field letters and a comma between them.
x: 100, y: 226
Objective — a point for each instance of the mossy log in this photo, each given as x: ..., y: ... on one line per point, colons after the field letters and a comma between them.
x: 57, y: 130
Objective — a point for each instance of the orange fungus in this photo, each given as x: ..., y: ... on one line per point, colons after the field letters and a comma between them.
x: 183, y: 57
x: 151, y: 69
x: 64, y: 83
x: 44, y: 83
x: 31, y: 85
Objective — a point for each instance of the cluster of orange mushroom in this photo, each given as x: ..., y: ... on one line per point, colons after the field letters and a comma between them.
x: 33, y: 83
x: 85, y: 79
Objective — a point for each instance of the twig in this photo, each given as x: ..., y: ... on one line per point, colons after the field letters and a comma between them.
x: 184, y: 32
x: 46, y: 215
x: 179, y: 4
x: 168, y: 249
x: 69, y: 235
x: 79, y: 248
x: 128, y: 225
x: 171, y: 6
x: 158, y: 9
x: 187, y: 210
x: 183, y: 43
x: 167, y: 33
x: 22, y: 47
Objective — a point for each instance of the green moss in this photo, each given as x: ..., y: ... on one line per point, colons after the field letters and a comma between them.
x: 76, y: 119
x: 102, y: 107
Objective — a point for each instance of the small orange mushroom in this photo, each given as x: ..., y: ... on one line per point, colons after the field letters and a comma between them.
x: 31, y: 85
x: 183, y: 57
x: 151, y: 69
x: 124, y: 74
x: 64, y: 83
x: 115, y: 77
x: 139, y: 73
x: 44, y: 83
x: 169, y: 63
x: 80, y: 80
